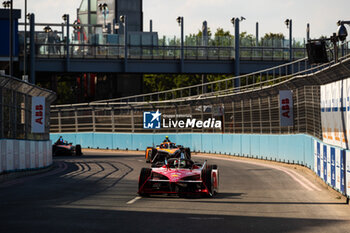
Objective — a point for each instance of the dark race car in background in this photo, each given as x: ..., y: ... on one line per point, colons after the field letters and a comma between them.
x: 179, y: 176
x: 64, y: 148
x: 166, y: 150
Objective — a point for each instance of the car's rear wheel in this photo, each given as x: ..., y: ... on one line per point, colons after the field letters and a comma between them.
x: 207, y: 179
x: 78, y: 150
x: 144, y: 175
x: 188, y: 153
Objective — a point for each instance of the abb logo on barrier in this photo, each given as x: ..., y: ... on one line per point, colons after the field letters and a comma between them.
x: 286, y: 108
x: 38, y: 114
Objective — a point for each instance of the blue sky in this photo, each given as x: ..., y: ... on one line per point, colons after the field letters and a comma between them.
x: 321, y: 14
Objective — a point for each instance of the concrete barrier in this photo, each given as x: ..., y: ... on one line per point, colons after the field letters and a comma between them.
x: 18, y: 155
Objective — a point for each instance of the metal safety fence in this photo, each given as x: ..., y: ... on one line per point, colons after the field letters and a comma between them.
x: 16, y: 109
x: 258, y: 115
x: 251, y: 108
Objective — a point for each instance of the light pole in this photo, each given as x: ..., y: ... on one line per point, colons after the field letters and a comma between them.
x: 307, y: 32
x: 257, y: 34
x: 32, y: 47
x: 105, y: 11
x: 124, y: 20
x: 65, y: 18
x: 288, y: 23
x: 8, y: 4
x: 205, y: 53
x: 25, y: 77
x: 235, y: 23
x: 180, y: 21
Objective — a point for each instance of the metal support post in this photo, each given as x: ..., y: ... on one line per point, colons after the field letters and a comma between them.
x: 67, y: 43
x: 93, y: 119
x: 59, y: 121
x: 251, y: 115
x: 205, y: 52
x: 260, y: 114
x: 89, y: 19
x: 1, y: 115
x: 307, y: 32
x: 237, y: 71
x: 290, y: 41
x: 270, y: 117
x: 132, y: 120
x: 76, y: 120
x: 112, y: 119
x: 257, y: 34
x: 182, y: 64
x: 151, y: 25
x: 242, y: 115
x: 27, y: 116
x: 11, y: 39
x: 125, y: 43
x: 14, y: 114
x: 233, y: 117
x: 32, y: 48
x: 25, y: 40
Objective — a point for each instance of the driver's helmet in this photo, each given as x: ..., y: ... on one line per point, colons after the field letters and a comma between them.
x: 183, y: 163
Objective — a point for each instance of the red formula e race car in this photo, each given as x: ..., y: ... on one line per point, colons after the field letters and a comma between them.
x: 179, y: 176
x: 65, y: 148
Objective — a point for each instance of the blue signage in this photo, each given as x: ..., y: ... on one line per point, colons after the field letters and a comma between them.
x: 318, y: 160
x: 333, y: 166
x: 342, y: 167
x: 151, y: 120
x: 325, y: 163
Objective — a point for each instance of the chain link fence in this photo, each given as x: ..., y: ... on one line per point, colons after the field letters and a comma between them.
x: 16, y: 109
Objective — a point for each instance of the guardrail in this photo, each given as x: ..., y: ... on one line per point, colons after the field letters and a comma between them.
x: 110, y: 51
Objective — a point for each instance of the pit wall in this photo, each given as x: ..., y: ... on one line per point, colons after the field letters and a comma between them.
x: 327, y: 161
x: 18, y: 155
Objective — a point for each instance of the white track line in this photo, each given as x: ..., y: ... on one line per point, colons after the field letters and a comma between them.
x: 133, y: 200
x: 295, y: 176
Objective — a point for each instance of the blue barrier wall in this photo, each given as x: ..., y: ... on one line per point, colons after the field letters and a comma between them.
x: 297, y: 148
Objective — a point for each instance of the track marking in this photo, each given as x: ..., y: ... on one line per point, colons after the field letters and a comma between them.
x: 133, y: 200
x: 294, y: 175
x: 205, y: 218
x: 62, y: 166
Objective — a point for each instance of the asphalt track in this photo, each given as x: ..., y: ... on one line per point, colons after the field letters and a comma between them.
x: 97, y: 193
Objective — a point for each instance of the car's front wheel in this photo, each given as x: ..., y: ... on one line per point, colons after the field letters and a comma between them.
x: 144, y: 175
